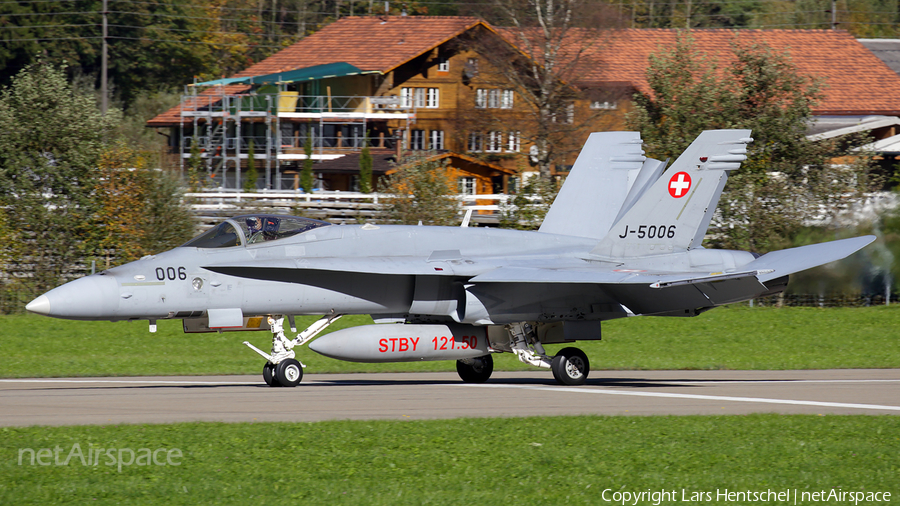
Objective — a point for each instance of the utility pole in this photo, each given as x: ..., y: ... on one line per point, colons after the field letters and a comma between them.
x: 103, y: 63
x: 834, y: 14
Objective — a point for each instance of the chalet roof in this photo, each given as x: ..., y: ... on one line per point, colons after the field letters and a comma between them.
x: 203, y: 99
x: 856, y: 81
x: 460, y: 161
x: 379, y: 43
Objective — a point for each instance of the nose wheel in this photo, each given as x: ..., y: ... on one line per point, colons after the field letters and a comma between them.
x: 269, y: 375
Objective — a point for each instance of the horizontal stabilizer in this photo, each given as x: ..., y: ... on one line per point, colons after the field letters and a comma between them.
x: 788, y: 261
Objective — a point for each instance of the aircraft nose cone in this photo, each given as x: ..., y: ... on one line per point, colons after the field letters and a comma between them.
x: 40, y: 305
x: 88, y: 298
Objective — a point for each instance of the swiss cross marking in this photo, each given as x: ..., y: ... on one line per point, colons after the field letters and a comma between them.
x: 679, y: 184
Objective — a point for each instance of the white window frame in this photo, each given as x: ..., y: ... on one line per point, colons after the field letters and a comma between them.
x: 493, y: 142
x: 493, y: 99
x: 514, y: 142
x: 436, y: 139
x: 419, y: 97
x: 417, y: 140
x: 604, y: 105
x: 406, y: 97
x: 443, y: 64
x: 507, y: 97
x: 481, y: 98
x: 468, y: 185
x: 475, y: 142
x: 433, y: 100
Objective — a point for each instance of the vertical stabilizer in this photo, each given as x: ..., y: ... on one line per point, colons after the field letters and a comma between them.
x: 598, y: 184
x: 674, y: 211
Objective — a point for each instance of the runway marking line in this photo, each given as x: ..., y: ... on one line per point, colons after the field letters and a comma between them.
x: 127, y: 382
x: 692, y: 396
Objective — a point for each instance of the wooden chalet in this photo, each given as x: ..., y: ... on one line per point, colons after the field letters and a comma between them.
x: 418, y: 83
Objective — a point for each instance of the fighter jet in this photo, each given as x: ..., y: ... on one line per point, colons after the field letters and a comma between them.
x: 622, y: 239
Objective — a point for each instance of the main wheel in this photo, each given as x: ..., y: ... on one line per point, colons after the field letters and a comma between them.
x: 570, y: 366
x: 288, y: 372
x: 269, y: 375
x: 478, y: 371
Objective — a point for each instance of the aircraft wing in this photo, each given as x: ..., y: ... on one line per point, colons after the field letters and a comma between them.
x: 604, y: 276
x: 788, y: 261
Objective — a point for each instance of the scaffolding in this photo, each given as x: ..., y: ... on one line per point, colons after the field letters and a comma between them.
x: 218, y: 119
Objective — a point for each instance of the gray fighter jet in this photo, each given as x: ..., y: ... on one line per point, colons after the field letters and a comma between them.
x: 623, y: 238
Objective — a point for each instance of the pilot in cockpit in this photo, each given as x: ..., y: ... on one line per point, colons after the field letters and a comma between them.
x: 254, y: 225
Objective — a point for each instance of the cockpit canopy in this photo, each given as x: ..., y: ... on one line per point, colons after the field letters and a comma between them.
x: 253, y: 229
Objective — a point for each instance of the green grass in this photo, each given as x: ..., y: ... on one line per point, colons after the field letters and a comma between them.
x: 726, y: 338
x: 556, y: 460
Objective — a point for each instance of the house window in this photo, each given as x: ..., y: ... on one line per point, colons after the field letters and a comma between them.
x: 514, y: 142
x: 434, y: 98
x: 494, y: 142
x: 420, y: 97
x: 564, y: 115
x: 476, y: 142
x: 604, y: 105
x: 467, y: 185
x: 417, y: 139
x: 436, y: 139
x: 406, y: 97
x: 493, y: 99
x: 481, y: 98
x: 472, y: 66
x: 443, y: 64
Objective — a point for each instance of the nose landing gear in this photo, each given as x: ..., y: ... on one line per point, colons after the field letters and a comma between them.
x: 282, y: 369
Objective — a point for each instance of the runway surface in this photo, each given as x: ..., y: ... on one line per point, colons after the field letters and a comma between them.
x: 407, y: 396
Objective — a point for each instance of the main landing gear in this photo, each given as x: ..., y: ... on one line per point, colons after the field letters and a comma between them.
x: 570, y: 366
x: 475, y: 370
x: 282, y: 369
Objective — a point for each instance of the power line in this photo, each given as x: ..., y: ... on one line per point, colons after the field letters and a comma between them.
x: 155, y: 28
x: 249, y: 44
x: 41, y: 26
x: 51, y: 38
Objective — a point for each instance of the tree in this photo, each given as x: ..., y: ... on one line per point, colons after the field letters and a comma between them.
x: 306, y: 175
x: 540, y: 57
x: 365, y: 168
x: 422, y: 190
x: 252, y: 175
x: 140, y: 210
x: 787, y: 179
x: 50, y: 143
